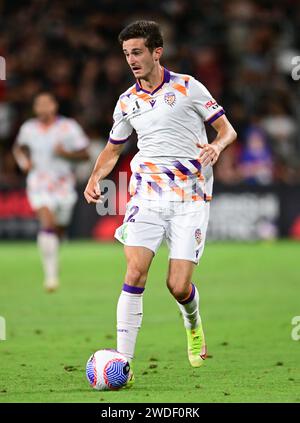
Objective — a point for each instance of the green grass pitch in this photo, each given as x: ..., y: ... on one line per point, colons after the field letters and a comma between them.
x: 249, y: 295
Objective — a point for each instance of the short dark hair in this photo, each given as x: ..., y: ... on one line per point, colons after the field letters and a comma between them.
x: 149, y: 30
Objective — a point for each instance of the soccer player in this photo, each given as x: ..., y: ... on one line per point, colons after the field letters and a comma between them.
x: 171, y: 182
x: 45, y: 149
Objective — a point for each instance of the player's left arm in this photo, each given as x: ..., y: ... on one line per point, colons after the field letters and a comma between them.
x: 225, y: 136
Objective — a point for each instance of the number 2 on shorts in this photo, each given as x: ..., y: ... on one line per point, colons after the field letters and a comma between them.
x: 133, y: 211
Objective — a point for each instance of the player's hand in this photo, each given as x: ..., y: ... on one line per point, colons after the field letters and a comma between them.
x: 92, y: 192
x: 25, y: 163
x: 27, y: 166
x: 60, y: 151
x: 22, y: 157
x: 209, y: 154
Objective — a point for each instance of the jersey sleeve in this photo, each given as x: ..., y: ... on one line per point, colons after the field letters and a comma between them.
x: 23, y: 137
x: 77, y: 138
x: 203, y: 102
x: 121, y: 129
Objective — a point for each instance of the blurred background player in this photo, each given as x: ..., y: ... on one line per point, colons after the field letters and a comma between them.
x: 171, y: 183
x: 45, y: 149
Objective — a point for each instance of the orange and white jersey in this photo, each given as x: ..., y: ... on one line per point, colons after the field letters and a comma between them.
x: 42, y: 141
x: 169, y: 122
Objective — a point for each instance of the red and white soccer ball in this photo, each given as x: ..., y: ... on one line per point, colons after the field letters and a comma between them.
x: 107, y: 370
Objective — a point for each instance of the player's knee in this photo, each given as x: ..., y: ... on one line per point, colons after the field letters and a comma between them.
x: 135, y: 275
x: 47, y: 225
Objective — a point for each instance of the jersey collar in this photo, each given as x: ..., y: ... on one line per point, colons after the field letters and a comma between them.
x: 165, y: 79
x: 45, y: 127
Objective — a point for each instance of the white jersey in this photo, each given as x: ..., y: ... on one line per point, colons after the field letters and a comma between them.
x: 169, y: 122
x: 42, y: 141
x: 51, y: 180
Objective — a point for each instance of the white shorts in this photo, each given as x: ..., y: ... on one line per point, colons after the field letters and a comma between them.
x: 183, y: 225
x: 60, y: 198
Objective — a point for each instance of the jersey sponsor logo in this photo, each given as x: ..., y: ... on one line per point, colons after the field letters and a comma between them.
x: 170, y: 99
x: 211, y: 104
x: 198, y: 236
x: 152, y: 102
x: 136, y: 108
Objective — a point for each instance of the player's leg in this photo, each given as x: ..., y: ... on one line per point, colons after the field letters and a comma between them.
x: 130, y: 304
x: 179, y: 282
x: 58, y: 218
x: 61, y: 231
x: 186, y: 239
x: 141, y: 232
x: 48, y: 243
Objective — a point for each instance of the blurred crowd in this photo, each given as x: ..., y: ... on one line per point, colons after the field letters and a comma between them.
x: 242, y: 50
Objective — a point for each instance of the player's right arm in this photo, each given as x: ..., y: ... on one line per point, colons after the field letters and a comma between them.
x: 22, y: 156
x: 105, y: 163
x: 21, y: 150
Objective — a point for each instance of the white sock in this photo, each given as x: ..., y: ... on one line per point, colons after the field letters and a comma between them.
x: 48, y: 243
x: 190, y: 309
x: 129, y: 319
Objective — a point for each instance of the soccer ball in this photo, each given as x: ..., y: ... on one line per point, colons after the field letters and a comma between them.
x: 107, y: 370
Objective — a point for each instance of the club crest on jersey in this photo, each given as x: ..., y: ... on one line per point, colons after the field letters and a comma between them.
x: 198, y: 236
x: 170, y: 99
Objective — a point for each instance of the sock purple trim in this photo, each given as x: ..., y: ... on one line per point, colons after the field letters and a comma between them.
x: 48, y: 231
x: 191, y: 297
x: 133, y: 289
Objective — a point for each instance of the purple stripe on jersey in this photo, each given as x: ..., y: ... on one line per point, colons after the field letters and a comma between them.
x: 132, y: 289
x: 168, y: 172
x: 118, y: 141
x: 191, y: 296
x: 155, y: 187
x: 198, y: 190
x: 196, y: 163
x: 139, y: 181
x: 215, y: 117
x: 144, y: 167
x: 182, y: 168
